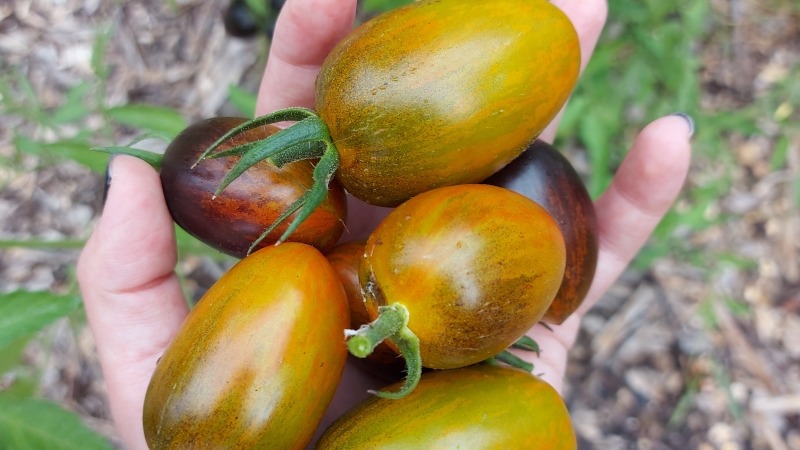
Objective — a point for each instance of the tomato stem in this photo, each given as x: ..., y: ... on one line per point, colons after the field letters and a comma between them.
x: 408, y: 344
x: 289, y: 211
x: 290, y: 139
x: 390, y: 320
x: 293, y: 114
x: 152, y: 158
x: 513, y: 360
x: 308, y: 138
x: 323, y: 174
x: 527, y: 343
x: 391, y: 324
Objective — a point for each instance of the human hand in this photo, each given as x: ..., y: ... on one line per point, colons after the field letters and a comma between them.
x: 134, y: 303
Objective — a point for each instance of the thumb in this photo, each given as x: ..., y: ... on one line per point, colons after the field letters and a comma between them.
x: 132, y: 297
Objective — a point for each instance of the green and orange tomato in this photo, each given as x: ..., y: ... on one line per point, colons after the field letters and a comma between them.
x: 545, y: 176
x: 257, y: 361
x: 432, y: 94
x: 477, y: 407
x: 466, y: 270
x: 443, y: 92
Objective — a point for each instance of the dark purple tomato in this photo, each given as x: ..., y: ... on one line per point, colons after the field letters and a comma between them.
x: 234, y: 220
x: 545, y: 176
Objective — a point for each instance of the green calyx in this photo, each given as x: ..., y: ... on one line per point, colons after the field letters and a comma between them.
x: 391, y: 324
x: 506, y: 357
x: 308, y: 138
x: 512, y: 360
x: 527, y: 343
x: 152, y: 158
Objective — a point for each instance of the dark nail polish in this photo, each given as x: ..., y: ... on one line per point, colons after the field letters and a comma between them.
x: 689, y: 120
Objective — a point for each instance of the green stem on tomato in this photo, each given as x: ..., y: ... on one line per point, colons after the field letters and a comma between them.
x: 408, y: 344
x: 323, y: 174
x: 513, y: 360
x: 289, y: 139
x: 308, y: 138
x: 391, y: 324
x: 152, y: 158
x: 527, y: 343
x: 289, y: 211
x: 288, y: 114
x: 391, y: 319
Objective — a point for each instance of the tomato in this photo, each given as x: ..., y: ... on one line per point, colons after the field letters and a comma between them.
x: 443, y: 92
x: 473, y: 407
x: 471, y: 267
x: 436, y: 93
x: 545, y: 176
x: 257, y: 361
x: 345, y: 259
x: 235, y: 220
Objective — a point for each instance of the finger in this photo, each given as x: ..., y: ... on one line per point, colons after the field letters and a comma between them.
x: 551, y: 364
x: 588, y: 17
x: 132, y: 297
x: 305, y: 33
x: 643, y: 189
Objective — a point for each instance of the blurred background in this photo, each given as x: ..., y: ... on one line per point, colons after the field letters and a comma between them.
x: 696, y: 347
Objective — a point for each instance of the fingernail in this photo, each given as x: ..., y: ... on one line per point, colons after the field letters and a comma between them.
x: 107, y: 178
x: 689, y: 121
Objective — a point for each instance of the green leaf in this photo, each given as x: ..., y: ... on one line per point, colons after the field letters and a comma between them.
x: 25, y: 385
x: 596, y: 132
x: 797, y: 191
x: 23, y: 313
x: 73, y: 149
x: 258, y: 8
x: 155, y: 118
x: 99, y: 49
x: 243, y: 101
x: 154, y: 159
x: 69, y: 244
x: 74, y: 107
x: 27, y: 423
x: 780, y: 154
x: 11, y: 354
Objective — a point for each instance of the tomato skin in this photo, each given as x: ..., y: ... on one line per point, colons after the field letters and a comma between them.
x: 257, y: 361
x: 237, y: 217
x: 545, y: 176
x: 476, y: 266
x: 437, y: 93
x: 345, y: 258
x: 473, y: 407
x: 384, y: 361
